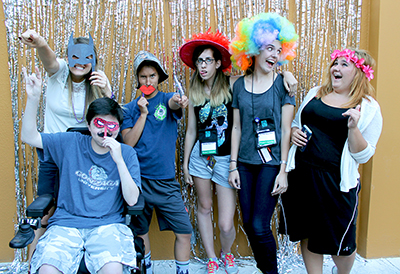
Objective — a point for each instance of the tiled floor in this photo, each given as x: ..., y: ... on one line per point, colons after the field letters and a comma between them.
x: 361, y: 266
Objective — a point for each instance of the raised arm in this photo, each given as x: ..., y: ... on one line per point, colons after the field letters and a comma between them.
x: 132, y: 135
x: 190, y: 139
x: 130, y: 191
x: 99, y: 79
x: 46, y: 54
x: 29, y: 132
x: 362, y: 145
x: 177, y: 102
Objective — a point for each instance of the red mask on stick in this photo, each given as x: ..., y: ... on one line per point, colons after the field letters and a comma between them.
x: 110, y: 126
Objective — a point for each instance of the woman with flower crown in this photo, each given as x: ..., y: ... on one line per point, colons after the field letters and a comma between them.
x: 344, y: 122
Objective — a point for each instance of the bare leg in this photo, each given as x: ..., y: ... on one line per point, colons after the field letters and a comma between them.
x: 39, y: 232
x: 146, y: 240
x: 111, y: 268
x: 313, y: 261
x: 226, y: 212
x: 344, y: 263
x: 48, y: 269
x: 204, y: 204
x: 182, y: 247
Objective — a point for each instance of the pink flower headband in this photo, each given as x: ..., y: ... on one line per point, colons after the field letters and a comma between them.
x: 350, y: 56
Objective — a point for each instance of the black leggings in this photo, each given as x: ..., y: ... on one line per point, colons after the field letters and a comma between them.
x: 257, y: 204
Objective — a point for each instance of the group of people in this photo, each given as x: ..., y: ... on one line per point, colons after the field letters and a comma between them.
x: 238, y: 137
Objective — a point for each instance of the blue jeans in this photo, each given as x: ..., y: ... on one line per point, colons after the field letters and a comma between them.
x: 257, y: 204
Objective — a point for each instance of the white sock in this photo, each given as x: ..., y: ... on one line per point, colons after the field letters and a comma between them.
x: 182, y: 267
x: 147, y: 263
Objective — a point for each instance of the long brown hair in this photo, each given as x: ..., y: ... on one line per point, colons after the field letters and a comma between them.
x: 219, y: 93
x: 360, y: 87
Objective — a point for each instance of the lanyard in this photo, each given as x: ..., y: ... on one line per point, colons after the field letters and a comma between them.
x: 252, y: 95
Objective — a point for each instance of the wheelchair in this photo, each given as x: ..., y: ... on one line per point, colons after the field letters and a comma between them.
x: 42, y: 204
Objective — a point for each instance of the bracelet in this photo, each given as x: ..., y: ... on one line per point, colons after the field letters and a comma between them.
x: 231, y: 160
x: 283, y: 162
x: 232, y: 170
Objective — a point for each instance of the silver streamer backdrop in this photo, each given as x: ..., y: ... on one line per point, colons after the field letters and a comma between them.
x: 123, y: 28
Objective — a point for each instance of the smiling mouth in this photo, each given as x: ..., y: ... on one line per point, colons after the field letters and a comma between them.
x: 270, y: 62
x: 337, y: 76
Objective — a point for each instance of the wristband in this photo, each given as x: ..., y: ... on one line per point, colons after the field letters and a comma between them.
x: 232, y: 170
x: 283, y: 162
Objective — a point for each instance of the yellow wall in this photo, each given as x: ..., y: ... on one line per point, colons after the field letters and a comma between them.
x: 382, y: 233
x: 7, y: 193
x: 379, y: 222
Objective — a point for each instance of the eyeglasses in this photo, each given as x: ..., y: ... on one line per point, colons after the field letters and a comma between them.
x: 208, y: 61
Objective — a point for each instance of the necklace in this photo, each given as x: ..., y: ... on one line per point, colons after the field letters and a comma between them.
x: 79, y: 87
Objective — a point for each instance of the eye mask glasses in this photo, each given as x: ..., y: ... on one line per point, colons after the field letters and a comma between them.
x: 108, y: 126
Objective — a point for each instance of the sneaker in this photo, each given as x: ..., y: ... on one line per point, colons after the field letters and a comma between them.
x: 24, y: 236
x: 212, y: 266
x: 229, y: 263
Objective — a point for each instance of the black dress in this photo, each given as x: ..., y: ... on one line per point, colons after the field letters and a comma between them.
x: 314, y: 208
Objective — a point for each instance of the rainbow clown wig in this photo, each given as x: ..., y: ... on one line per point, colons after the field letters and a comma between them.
x: 255, y: 33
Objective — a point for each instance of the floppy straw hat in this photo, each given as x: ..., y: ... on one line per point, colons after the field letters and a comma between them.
x: 217, y: 40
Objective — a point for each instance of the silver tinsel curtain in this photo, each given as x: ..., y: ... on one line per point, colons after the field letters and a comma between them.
x: 121, y: 28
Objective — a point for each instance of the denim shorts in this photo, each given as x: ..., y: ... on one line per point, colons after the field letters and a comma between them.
x: 198, y: 167
x: 63, y: 248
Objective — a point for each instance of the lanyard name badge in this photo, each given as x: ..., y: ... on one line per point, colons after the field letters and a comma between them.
x: 208, y: 139
x: 265, y: 128
x: 265, y: 137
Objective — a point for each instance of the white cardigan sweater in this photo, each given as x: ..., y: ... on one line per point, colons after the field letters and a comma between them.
x: 370, y: 125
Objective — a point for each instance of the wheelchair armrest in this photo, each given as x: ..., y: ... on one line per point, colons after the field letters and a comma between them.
x: 82, y: 130
x: 136, y: 209
x: 40, y: 206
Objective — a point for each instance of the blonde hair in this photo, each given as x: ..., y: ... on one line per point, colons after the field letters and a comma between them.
x: 360, y: 87
x: 220, y: 91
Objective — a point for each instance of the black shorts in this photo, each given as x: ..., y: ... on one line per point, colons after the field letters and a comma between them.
x: 165, y: 197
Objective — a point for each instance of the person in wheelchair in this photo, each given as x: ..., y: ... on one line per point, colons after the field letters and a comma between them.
x: 97, y: 175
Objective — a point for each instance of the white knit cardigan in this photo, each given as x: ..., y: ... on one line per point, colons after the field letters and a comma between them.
x: 370, y: 125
